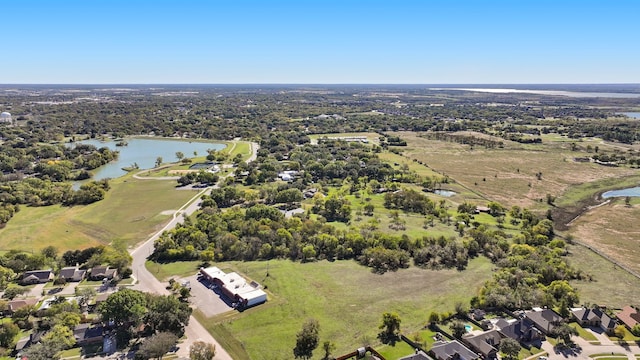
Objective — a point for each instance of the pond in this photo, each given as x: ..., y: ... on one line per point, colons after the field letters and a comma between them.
x: 445, y: 193
x: 631, y: 192
x: 144, y: 152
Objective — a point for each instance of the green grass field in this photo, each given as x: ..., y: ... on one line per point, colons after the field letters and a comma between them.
x: 347, y: 299
x: 130, y: 212
x: 610, y: 286
x: 241, y: 147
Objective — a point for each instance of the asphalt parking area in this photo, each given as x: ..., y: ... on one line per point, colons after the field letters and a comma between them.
x: 204, y: 298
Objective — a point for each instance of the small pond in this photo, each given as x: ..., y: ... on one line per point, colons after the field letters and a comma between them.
x: 631, y: 192
x: 445, y: 193
x: 144, y: 152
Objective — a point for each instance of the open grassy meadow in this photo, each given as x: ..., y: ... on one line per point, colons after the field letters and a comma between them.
x: 613, y: 229
x: 130, y: 212
x: 610, y: 285
x: 509, y: 174
x: 346, y: 298
x: 371, y: 136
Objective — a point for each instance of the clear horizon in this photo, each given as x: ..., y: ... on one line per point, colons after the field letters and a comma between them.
x: 331, y: 42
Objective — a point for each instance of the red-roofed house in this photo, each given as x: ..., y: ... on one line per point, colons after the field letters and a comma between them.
x: 629, y: 316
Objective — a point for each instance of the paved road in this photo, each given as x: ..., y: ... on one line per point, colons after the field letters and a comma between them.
x: 148, y: 283
x: 584, y: 349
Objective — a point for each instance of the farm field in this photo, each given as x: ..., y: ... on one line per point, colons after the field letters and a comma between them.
x: 130, y: 212
x: 346, y: 298
x: 508, y: 175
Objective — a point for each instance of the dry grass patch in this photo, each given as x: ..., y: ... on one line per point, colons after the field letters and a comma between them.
x: 508, y: 175
x: 613, y: 229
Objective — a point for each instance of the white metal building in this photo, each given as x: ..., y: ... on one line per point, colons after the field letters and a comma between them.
x: 235, y: 287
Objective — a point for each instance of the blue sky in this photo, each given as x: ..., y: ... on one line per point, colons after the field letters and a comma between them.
x: 307, y: 41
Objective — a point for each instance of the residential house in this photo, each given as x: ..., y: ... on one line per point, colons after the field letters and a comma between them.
x: 73, y: 273
x: 36, y: 277
x: 16, y: 304
x: 485, y: 343
x: 86, y: 334
x: 629, y: 316
x: 521, y: 330
x: 594, y: 317
x: 452, y: 350
x: 27, y: 341
x: 544, y: 319
x: 103, y: 272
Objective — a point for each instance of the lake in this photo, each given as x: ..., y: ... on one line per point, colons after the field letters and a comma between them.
x: 574, y: 94
x: 635, y: 115
x: 144, y: 152
x: 631, y: 192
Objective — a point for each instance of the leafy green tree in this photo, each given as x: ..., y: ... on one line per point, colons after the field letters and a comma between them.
x: 158, y: 161
x: 156, y: 346
x: 564, y: 332
x: 42, y: 351
x: 124, y: 307
x: 390, y: 327
x: 179, y: 155
x: 167, y: 314
x: 6, y: 275
x: 59, y: 337
x: 307, y: 339
x: 50, y: 252
x: 620, y: 331
x: 434, y: 318
x: 8, y: 333
x: 457, y: 329
x: 510, y: 347
x: 201, y: 350
x: 68, y: 319
x: 308, y: 253
x: 328, y: 348
x: 85, y: 294
x: 13, y: 291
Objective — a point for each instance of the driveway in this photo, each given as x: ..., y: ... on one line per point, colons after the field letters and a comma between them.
x: 69, y: 289
x: 36, y: 291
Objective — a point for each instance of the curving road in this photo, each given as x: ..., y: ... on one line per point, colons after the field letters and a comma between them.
x: 145, y: 281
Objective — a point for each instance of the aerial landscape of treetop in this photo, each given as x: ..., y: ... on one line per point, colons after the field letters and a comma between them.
x: 320, y: 180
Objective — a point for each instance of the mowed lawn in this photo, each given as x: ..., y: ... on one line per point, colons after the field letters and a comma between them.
x: 130, y: 212
x: 346, y: 298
